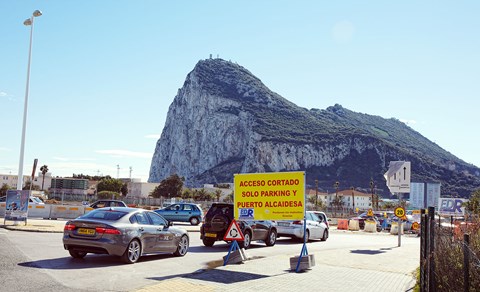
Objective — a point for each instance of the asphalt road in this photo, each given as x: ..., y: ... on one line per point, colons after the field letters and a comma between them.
x: 50, y: 268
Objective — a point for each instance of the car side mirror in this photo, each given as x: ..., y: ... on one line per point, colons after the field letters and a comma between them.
x: 170, y: 223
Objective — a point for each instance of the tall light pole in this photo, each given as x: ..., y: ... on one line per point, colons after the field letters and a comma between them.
x: 27, y: 22
x: 336, y: 196
x: 316, y: 194
x: 372, y: 184
x: 353, y: 199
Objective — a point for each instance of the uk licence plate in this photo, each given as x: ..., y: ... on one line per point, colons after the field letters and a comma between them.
x: 210, y: 235
x: 86, y: 231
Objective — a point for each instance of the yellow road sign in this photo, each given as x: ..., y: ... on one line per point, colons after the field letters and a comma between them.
x: 415, y: 225
x: 370, y: 213
x: 399, y: 212
x: 269, y: 196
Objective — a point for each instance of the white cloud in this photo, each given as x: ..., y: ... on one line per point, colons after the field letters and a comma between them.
x: 2, y: 94
x: 125, y: 153
x: 72, y: 159
x: 4, y: 149
x: 153, y: 136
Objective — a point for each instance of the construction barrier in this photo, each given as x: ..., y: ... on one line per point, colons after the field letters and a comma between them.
x: 394, y: 228
x: 342, y: 224
x: 52, y: 211
x: 370, y: 226
x: 354, y: 225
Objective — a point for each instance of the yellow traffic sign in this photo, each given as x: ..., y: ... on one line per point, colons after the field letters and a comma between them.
x: 370, y: 213
x: 415, y: 225
x: 399, y: 212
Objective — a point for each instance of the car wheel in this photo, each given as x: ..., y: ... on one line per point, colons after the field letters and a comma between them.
x: 182, y: 247
x: 272, y: 238
x: 77, y: 254
x: 133, y: 252
x: 307, y: 237
x: 325, y: 235
x: 208, y: 242
x: 194, y: 221
x: 247, y: 240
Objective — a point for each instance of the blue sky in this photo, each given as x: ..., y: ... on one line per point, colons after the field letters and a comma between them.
x: 104, y: 73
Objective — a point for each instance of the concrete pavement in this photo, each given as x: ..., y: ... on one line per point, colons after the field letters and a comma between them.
x: 389, y: 270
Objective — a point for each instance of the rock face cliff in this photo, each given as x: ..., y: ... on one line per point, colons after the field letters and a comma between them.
x: 224, y: 120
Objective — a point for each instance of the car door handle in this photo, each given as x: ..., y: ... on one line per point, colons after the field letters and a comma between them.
x: 141, y: 229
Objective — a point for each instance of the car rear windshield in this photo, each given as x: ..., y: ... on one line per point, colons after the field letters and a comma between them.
x: 226, y: 210
x: 111, y: 215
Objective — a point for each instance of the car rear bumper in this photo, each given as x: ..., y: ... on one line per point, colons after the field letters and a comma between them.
x: 290, y: 231
x: 99, y: 246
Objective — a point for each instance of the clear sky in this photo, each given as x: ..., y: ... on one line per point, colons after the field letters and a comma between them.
x: 104, y: 73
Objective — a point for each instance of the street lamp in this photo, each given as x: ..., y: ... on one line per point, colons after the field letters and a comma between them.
x: 27, y: 22
x: 353, y: 199
x: 316, y: 194
x: 336, y: 196
x: 371, y: 188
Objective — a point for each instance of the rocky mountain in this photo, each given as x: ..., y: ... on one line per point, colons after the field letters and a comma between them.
x: 224, y: 120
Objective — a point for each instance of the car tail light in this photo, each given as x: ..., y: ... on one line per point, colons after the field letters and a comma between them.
x: 69, y: 227
x: 108, y: 230
x: 298, y: 222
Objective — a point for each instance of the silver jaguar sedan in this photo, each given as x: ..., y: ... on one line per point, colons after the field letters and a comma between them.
x: 125, y: 232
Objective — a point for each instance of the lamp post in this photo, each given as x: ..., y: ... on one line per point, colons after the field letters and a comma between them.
x: 353, y: 199
x: 371, y: 188
x: 27, y: 22
x: 336, y: 195
x: 316, y: 194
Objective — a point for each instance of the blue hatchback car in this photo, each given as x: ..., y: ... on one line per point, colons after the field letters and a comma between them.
x: 182, y: 212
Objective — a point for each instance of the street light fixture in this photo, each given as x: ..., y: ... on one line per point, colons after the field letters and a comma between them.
x: 316, y: 194
x: 27, y: 22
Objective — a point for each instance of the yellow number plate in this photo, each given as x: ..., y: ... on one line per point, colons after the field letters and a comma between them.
x: 210, y: 235
x: 86, y: 231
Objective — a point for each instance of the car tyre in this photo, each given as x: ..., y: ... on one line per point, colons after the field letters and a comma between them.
x: 247, y: 240
x: 271, y: 238
x: 194, y: 221
x: 307, y: 236
x: 325, y: 235
x: 77, y: 254
x: 208, y: 242
x: 133, y: 252
x: 182, y: 247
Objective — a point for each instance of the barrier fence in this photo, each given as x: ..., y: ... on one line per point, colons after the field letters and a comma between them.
x: 448, y: 255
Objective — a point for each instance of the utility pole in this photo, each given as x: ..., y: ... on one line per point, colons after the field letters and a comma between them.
x: 336, y: 195
x: 371, y: 189
x: 316, y: 194
x: 353, y: 199
x: 118, y: 171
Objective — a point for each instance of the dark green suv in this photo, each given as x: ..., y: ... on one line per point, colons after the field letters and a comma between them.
x: 218, y: 219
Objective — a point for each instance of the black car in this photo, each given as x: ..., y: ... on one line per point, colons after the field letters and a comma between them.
x: 108, y: 203
x: 218, y: 219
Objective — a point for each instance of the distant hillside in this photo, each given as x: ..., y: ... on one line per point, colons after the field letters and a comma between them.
x: 224, y: 120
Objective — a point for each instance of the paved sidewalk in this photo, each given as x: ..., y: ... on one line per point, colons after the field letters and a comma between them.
x: 392, y: 269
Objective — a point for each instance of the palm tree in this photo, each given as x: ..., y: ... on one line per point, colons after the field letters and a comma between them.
x: 44, y: 170
x: 218, y: 193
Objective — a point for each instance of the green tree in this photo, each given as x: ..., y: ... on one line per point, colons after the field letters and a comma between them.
x: 473, y: 205
x: 337, y: 202
x: 318, y: 204
x: 107, y: 195
x: 110, y: 184
x: 187, y: 194
x: 218, y: 193
x: 44, y: 170
x: 4, y: 189
x: 28, y: 184
x: 169, y: 187
x: 228, y: 198
x: 124, y: 190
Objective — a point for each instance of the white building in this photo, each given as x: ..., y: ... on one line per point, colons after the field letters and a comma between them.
x: 12, y: 180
